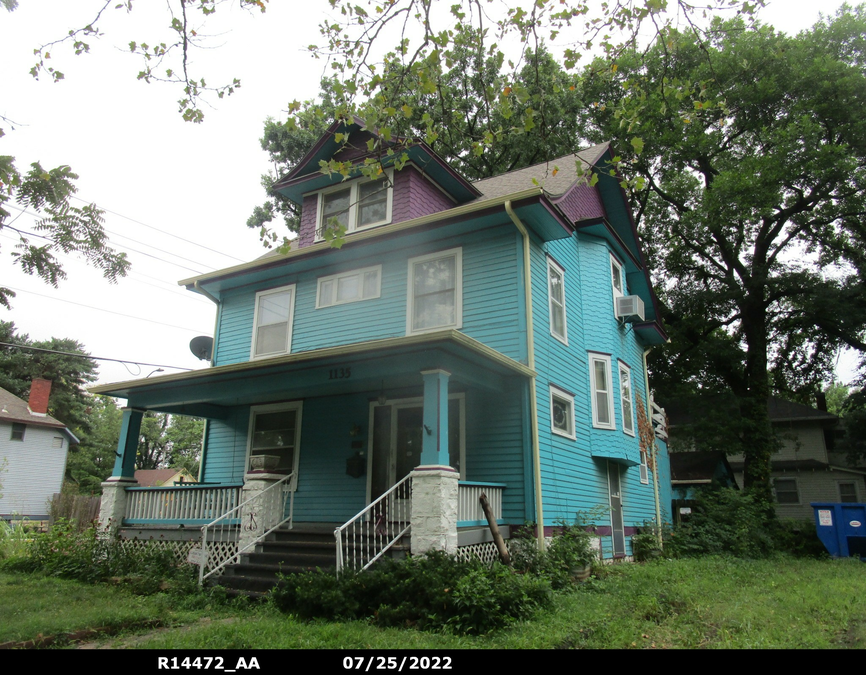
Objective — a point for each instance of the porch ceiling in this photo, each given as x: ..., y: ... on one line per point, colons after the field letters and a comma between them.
x: 359, y: 367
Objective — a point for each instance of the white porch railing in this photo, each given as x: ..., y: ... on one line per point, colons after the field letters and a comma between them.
x: 366, y: 537
x: 469, y: 511
x: 659, y: 420
x: 219, y: 539
x: 188, y: 504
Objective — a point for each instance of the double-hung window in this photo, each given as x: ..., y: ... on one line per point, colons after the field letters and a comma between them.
x: 435, y: 294
x: 602, y: 392
x: 354, y: 286
x: 18, y: 430
x: 556, y: 293
x: 561, y: 412
x: 356, y: 205
x: 617, y: 281
x: 786, y: 490
x: 272, y: 323
x: 625, y: 399
x: 847, y: 491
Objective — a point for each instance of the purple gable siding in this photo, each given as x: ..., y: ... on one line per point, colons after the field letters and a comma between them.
x: 581, y: 202
x: 307, y: 229
x: 414, y: 196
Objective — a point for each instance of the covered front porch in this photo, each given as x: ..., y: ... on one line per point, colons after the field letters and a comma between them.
x: 332, y: 435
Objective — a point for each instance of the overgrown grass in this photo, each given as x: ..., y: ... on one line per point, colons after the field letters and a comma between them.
x: 34, y: 606
x: 710, y: 602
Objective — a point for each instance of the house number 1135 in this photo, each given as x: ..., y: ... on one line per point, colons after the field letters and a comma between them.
x: 339, y: 373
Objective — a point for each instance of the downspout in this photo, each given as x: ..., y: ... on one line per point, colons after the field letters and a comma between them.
x: 206, y: 428
x: 530, y: 358
x: 653, y: 453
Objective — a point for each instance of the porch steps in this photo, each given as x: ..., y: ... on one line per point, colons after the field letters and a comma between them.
x: 302, y: 549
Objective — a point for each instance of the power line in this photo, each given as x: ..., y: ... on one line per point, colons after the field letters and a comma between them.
x: 86, y: 356
x: 138, y: 222
x: 128, y: 248
x: 100, y: 309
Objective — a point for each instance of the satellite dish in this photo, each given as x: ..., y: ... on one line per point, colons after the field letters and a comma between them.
x: 201, y: 347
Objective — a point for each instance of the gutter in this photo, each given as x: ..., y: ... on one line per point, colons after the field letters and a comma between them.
x: 384, y: 230
x: 530, y: 358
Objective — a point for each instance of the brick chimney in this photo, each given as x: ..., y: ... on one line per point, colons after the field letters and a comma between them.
x: 39, y: 391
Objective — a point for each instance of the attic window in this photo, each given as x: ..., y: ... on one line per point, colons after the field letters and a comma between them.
x: 18, y: 431
x: 356, y: 205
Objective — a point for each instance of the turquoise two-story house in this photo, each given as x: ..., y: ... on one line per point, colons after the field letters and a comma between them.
x: 468, y: 337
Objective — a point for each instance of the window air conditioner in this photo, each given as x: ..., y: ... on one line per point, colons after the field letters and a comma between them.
x: 629, y: 308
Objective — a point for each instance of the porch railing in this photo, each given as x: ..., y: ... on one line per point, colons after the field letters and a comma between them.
x: 469, y: 511
x: 187, y: 505
x: 659, y: 420
x: 366, y: 537
x: 220, y: 539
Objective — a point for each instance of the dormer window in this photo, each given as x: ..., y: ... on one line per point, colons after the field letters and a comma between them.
x: 357, y: 205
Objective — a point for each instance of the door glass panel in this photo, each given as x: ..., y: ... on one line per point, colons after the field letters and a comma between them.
x: 274, y: 434
x: 409, y: 424
x: 380, y: 479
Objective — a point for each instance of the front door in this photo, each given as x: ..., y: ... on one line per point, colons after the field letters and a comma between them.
x: 396, y: 436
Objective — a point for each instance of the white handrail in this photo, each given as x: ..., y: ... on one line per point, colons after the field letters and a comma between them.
x: 285, y: 485
x: 377, y: 528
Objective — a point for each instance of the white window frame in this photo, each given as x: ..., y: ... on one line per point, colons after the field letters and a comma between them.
x: 335, y: 278
x: 617, y: 292
x: 457, y: 254
x: 298, y: 406
x: 354, y: 187
x: 796, y: 490
x: 852, y: 483
x: 605, y: 360
x: 553, y: 268
x: 627, y: 420
x: 644, y: 469
x: 290, y: 322
x: 565, y: 397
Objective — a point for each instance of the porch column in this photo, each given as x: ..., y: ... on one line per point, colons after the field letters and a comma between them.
x: 127, y: 444
x: 434, y: 482
x: 434, y: 444
x: 112, y: 507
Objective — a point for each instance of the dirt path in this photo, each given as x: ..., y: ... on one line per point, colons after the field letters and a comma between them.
x: 134, y: 641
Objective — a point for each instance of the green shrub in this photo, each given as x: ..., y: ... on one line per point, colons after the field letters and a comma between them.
x: 64, y: 551
x: 431, y: 592
x: 799, y: 538
x: 725, y: 521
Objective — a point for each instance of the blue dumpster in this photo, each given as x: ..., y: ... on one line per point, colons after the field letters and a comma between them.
x: 842, y: 528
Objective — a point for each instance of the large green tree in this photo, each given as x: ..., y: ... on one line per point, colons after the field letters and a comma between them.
x: 753, y: 204
x: 69, y: 373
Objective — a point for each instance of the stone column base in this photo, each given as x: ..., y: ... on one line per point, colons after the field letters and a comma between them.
x: 263, y: 511
x: 434, y: 509
x: 112, y: 506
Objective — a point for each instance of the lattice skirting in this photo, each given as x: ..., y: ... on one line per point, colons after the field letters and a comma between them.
x: 180, y: 549
x: 486, y: 552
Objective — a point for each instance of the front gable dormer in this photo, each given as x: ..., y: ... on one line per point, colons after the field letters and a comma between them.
x: 423, y: 186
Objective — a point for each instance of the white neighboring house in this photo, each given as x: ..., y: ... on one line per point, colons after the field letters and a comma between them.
x: 33, y: 450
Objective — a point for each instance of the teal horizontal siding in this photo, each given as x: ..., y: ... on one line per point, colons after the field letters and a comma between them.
x: 490, y: 300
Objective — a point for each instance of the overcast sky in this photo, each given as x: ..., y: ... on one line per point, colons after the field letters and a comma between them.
x: 156, y: 175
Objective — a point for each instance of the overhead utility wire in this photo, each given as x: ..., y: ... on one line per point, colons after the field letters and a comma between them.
x: 188, y: 241
x: 93, y: 358
x: 128, y: 248
x: 100, y: 309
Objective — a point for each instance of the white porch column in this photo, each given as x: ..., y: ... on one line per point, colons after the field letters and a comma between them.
x: 263, y: 510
